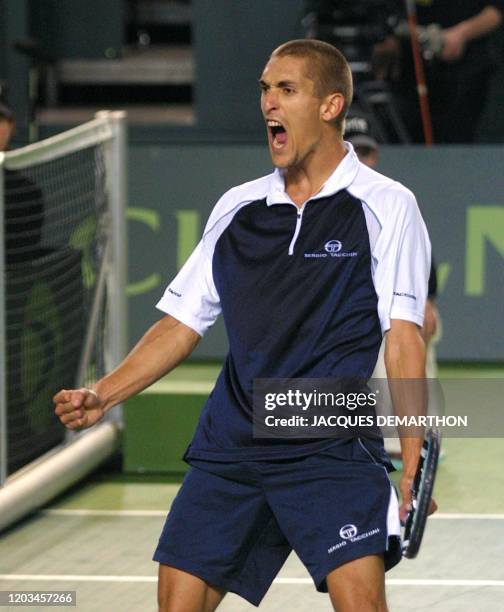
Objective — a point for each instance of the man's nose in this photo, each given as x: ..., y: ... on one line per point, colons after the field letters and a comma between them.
x: 269, y: 100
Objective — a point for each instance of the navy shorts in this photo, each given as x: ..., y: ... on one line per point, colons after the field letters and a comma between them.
x: 234, y: 524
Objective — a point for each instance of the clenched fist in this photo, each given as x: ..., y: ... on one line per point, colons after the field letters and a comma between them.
x: 78, y: 408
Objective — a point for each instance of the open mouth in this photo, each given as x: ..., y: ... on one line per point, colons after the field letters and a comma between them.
x: 278, y: 133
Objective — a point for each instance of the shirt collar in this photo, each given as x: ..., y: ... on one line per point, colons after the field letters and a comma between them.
x: 341, y: 178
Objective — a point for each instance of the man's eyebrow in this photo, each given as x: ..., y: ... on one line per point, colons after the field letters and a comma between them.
x: 279, y: 84
x: 286, y: 84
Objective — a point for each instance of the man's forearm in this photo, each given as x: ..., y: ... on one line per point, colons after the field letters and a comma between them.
x: 166, y: 344
x: 405, y: 363
x: 481, y: 24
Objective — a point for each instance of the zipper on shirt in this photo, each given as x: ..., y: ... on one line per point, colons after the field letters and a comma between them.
x: 299, y: 219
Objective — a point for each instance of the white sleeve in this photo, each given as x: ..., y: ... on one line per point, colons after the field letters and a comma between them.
x: 192, y: 297
x: 402, y: 255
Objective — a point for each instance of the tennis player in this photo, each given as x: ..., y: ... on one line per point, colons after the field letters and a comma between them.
x: 309, y: 266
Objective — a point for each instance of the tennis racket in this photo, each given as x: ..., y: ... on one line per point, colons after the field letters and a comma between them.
x: 421, y: 494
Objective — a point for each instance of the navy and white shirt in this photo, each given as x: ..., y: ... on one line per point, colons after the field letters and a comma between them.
x: 305, y: 292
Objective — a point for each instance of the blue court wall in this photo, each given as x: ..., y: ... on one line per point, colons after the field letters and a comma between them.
x: 172, y: 188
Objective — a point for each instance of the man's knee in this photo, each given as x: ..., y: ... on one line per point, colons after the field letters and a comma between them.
x: 361, y: 599
x: 358, y: 586
x: 179, y: 591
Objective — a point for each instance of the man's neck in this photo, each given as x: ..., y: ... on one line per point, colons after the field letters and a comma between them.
x: 305, y: 180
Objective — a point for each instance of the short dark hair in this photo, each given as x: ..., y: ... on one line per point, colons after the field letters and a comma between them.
x: 327, y: 67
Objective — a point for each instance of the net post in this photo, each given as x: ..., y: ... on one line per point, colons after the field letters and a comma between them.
x: 117, y: 185
x: 3, y: 337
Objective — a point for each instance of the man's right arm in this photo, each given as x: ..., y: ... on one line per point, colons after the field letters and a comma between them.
x: 456, y: 38
x: 166, y: 344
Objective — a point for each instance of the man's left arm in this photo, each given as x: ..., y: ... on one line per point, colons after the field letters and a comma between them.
x: 405, y: 364
x: 403, y: 260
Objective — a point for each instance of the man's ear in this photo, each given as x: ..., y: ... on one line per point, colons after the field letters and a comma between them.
x: 332, y: 106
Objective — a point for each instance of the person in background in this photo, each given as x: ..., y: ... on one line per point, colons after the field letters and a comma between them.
x: 24, y: 203
x: 7, y: 125
x: 459, y: 62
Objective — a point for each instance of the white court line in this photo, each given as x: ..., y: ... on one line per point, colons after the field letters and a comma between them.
x: 199, y: 387
x: 97, y: 578
x: 453, y: 516
x: 77, y: 578
x: 140, y: 513
x: 441, y: 582
x: 409, y: 582
x: 85, y: 512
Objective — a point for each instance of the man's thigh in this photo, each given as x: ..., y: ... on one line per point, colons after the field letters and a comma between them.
x: 223, y: 532
x: 334, y: 512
